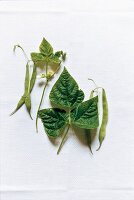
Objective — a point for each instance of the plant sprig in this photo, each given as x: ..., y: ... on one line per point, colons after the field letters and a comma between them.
x: 28, y: 86
x: 45, y: 58
x: 104, y: 120
x: 69, y: 108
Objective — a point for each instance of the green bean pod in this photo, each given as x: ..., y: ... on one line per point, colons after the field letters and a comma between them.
x: 33, y: 78
x: 26, y: 86
x: 32, y: 82
x: 27, y: 79
x: 28, y: 104
x: 19, y: 105
x: 102, y: 131
x: 27, y: 90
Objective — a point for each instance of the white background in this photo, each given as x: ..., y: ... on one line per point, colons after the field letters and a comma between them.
x: 98, y: 36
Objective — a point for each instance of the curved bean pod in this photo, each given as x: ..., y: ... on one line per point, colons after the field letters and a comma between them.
x: 102, y: 132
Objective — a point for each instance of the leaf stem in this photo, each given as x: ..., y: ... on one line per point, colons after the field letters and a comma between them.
x: 41, y: 98
x: 40, y: 105
x: 47, y: 80
x: 56, y: 71
x: 63, y: 139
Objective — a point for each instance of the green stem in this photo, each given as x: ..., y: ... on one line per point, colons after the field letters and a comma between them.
x: 56, y: 71
x: 41, y: 99
x: 63, y: 139
x: 40, y: 105
x: 46, y: 68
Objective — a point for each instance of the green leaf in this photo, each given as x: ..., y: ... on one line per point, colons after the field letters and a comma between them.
x: 45, y: 48
x: 58, y: 53
x: 39, y: 59
x: 54, y: 121
x: 86, y: 114
x: 54, y: 59
x: 61, y: 54
x: 64, y: 56
x: 65, y: 92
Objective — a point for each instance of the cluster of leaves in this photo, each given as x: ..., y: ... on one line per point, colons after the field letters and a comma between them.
x: 46, y: 55
x: 69, y: 107
x: 45, y: 58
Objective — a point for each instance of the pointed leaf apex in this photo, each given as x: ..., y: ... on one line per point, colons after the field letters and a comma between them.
x: 65, y: 92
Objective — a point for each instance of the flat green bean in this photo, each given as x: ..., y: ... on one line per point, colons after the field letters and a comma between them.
x: 33, y: 78
x: 19, y: 105
x: 27, y: 79
x: 28, y: 86
x: 102, y: 132
x: 28, y: 104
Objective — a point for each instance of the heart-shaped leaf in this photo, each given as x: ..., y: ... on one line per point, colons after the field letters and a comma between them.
x: 54, y: 59
x: 46, y: 55
x: 65, y: 93
x: 86, y: 114
x: 54, y: 120
x: 45, y: 48
x: 39, y: 59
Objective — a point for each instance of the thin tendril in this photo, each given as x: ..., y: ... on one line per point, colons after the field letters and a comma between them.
x: 18, y: 46
x: 93, y: 82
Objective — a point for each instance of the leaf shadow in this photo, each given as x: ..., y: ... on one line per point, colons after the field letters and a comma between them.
x: 54, y: 141
x: 81, y: 135
x: 53, y: 67
x: 40, y: 84
x: 42, y: 67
